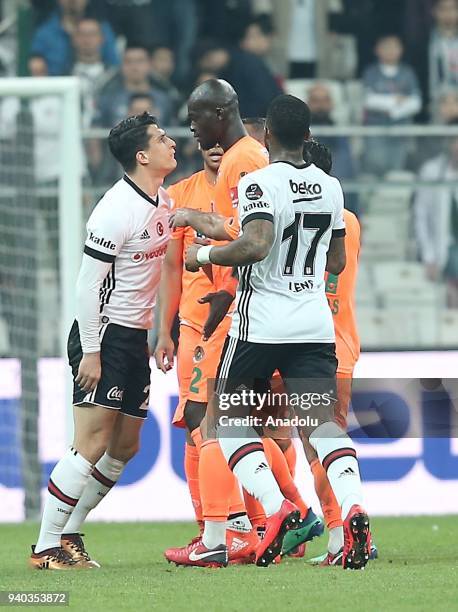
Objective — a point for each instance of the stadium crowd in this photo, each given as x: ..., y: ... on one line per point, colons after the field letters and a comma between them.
x: 356, y: 62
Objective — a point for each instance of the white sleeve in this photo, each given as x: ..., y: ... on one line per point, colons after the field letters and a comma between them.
x: 338, y: 226
x: 255, y: 201
x: 92, y: 273
x: 106, y: 234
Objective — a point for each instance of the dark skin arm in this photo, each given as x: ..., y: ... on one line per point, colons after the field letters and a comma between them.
x: 336, y: 258
x: 252, y: 246
x: 208, y: 224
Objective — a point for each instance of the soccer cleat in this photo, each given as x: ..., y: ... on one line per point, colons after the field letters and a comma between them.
x: 74, y: 545
x: 298, y: 552
x: 241, y: 546
x: 328, y: 559
x: 309, y: 527
x: 52, y: 559
x: 198, y: 555
x: 277, y: 526
x: 373, y: 555
x: 357, y: 539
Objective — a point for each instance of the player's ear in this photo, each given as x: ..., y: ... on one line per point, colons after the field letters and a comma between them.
x: 142, y: 158
x: 220, y: 112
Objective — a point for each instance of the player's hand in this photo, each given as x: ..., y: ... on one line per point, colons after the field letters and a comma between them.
x: 190, y: 258
x: 180, y: 217
x: 220, y: 302
x: 164, y: 353
x: 89, y: 372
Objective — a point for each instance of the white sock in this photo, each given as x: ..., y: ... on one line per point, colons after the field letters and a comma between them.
x: 66, y: 484
x: 239, y: 522
x: 214, y: 534
x: 247, y: 460
x: 336, y: 540
x: 104, y: 476
x: 337, y: 455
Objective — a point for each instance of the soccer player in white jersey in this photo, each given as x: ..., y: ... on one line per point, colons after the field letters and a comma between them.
x: 127, y: 235
x: 291, y: 215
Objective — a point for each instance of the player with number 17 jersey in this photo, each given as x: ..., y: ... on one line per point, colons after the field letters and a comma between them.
x: 306, y: 206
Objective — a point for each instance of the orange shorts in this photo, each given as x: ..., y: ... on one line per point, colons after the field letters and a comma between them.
x: 197, y: 363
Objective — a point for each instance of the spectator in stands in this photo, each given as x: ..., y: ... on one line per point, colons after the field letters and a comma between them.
x: 321, y: 106
x: 436, y: 220
x: 443, y: 47
x: 134, y: 78
x: 89, y: 66
x: 134, y: 20
x: 162, y: 69
x: 251, y: 78
x: 302, y: 41
x: 53, y: 39
x: 392, y: 97
x: 224, y: 20
x: 447, y: 107
x: 141, y: 103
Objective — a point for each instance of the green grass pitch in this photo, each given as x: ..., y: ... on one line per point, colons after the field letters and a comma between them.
x: 417, y: 570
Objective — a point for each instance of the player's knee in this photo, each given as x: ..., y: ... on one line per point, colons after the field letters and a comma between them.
x: 124, y: 452
x: 193, y: 414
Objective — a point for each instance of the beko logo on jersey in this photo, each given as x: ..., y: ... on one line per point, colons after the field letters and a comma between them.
x: 139, y: 257
x: 249, y: 207
x: 103, y: 242
x: 253, y: 192
x: 305, y: 188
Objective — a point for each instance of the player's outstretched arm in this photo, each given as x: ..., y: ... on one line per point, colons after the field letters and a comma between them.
x: 210, y: 225
x: 169, y: 300
x: 253, y: 246
x: 336, y: 258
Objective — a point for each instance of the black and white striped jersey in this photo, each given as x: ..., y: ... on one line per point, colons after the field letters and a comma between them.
x: 127, y: 236
x: 282, y: 298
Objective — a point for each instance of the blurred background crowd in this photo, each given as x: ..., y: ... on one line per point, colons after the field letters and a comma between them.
x: 385, y: 65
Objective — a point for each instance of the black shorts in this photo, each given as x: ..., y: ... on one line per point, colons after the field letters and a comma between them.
x: 306, y: 368
x: 125, y: 381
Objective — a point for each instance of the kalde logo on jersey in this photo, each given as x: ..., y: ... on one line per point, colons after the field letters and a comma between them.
x: 115, y: 393
x: 103, y: 242
x: 305, y: 188
x: 249, y: 207
x: 139, y: 257
x: 254, y: 192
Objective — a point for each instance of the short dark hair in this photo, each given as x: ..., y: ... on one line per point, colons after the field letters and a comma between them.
x: 318, y: 154
x: 129, y: 137
x: 257, y: 121
x: 288, y: 119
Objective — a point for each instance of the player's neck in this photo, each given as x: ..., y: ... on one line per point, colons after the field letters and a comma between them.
x: 147, y: 183
x: 210, y: 174
x: 234, y: 133
x: 293, y: 157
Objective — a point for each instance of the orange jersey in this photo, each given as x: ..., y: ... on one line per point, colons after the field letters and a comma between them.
x: 340, y: 291
x: 197, y: 193
x: 246, y: 155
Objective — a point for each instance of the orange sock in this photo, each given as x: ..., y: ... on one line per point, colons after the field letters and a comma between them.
x: 331, y: 509
x: 280, y: 470
x: 191, y: 468
x: 291, y: 456
x: 216, y: 482
x: 254, y: 510
x: 236, y: 503
x: 197, y: 437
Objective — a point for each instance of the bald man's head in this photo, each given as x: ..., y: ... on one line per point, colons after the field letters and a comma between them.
x: 212, y: 108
